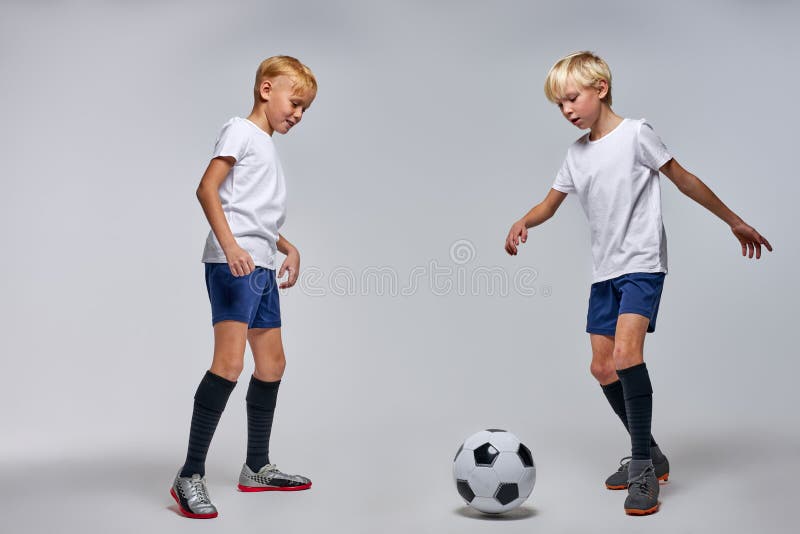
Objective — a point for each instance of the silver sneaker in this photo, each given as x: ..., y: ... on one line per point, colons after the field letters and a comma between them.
x: 269, y: 478
x: 192, y: 497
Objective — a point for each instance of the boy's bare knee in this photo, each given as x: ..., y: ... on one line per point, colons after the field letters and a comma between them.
x: 604, y: 372
x: 270, y: 371
x: 625, y: 357
x: 280, y: 368
x: 228, y: 368
x: 278, y: 365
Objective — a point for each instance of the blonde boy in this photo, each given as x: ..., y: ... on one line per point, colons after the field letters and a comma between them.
x: 243, y: 195
x: 614, y: 171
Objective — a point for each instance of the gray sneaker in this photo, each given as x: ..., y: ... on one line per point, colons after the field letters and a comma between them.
x: 643, y: 493
x: 619, y: 480
x: 192, y: 497
x: 269, y: 478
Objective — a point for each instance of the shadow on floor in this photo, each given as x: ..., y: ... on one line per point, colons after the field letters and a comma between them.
x: 523, y: 512
x: 136, y: 478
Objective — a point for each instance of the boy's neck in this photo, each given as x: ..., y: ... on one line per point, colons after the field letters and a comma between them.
x: 605, y: 123
x: 259, y: 118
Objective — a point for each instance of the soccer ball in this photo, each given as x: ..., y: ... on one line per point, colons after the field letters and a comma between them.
x: 494, y: 471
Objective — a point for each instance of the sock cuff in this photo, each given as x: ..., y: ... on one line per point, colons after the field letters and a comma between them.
x: 261, y: 393
x: 633, y: 369
x: 613, y: 387
x: 213, y: 391
x: 635, y: 381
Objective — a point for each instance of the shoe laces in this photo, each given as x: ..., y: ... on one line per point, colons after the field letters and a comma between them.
x: 199, y: 489
x: 642, y: 481
x: 623, y: 464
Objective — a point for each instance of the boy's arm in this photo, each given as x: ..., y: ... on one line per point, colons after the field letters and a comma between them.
x: 691, y: 186
x: 239, y: 260
x: 536, y: 216
x: 290, y: 264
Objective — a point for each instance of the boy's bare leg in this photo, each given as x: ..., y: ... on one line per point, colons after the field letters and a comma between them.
x: 230, y: 338
x: 629, y: 340
x: 267, y: 347
x: 605, y: 372
x: 602, y: 367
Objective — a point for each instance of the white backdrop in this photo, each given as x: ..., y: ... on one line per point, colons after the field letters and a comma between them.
x: 429, y: 137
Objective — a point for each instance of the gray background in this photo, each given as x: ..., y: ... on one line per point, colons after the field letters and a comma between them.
x: 430, y: 127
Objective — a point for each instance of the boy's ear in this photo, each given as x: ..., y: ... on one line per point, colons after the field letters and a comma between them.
x: 265, y: 89
x: 602, y: 89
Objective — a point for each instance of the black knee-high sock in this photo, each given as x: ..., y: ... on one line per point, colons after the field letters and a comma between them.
x: 261, y: 399
x: 638, y: 395
x: 613, y: 392
x: 209, y: 402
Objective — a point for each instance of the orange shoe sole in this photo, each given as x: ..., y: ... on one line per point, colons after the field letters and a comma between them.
x: 649, y: 511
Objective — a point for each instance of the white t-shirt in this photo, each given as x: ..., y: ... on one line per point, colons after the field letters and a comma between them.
x: 253, y: 194
x: 617, y: 181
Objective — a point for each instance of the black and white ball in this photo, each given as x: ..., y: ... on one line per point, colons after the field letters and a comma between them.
x: 494, y: 471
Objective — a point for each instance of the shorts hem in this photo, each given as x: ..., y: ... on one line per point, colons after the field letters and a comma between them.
x: 644, y: 313
x: 237, y: 318
x: 265, y: 325
x: 600, y: 331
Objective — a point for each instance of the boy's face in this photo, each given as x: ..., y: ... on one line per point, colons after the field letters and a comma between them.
x: 581, y: 105
x: 284, y: 106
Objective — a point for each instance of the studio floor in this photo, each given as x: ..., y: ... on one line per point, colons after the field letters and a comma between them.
x: 730, y: 479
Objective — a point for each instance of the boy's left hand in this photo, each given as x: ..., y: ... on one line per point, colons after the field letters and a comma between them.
x: 750, y: 239
x: 292, y: 265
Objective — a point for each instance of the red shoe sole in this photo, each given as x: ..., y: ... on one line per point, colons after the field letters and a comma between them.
x: 662, y: 478
x: 187, y: 513
x: 274, y: 488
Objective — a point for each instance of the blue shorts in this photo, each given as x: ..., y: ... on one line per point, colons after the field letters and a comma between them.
x: 638, y: 293
x: 251, y: 299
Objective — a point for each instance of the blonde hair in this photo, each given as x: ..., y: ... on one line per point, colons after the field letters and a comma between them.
x: 584, y: 68
x: 275, y: 66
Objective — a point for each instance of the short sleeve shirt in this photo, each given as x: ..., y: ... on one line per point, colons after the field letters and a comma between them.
x: 253, y: 195
x: 616, y: 179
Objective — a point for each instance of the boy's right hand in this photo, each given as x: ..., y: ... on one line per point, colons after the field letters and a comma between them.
x: 239, y: 261
x: 750, y: 239
x: 517, y: 234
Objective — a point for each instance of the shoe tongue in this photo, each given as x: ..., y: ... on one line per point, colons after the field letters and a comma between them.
x: 267, y: 468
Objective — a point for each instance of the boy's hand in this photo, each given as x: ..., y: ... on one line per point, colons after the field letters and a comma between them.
x: 292, y: 265
x: 517, y: 234
x: 239, y: 260
x: 750, y: 239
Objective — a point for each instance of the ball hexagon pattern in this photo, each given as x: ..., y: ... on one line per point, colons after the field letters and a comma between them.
x: 494, y: 471
x: 485, y: 455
